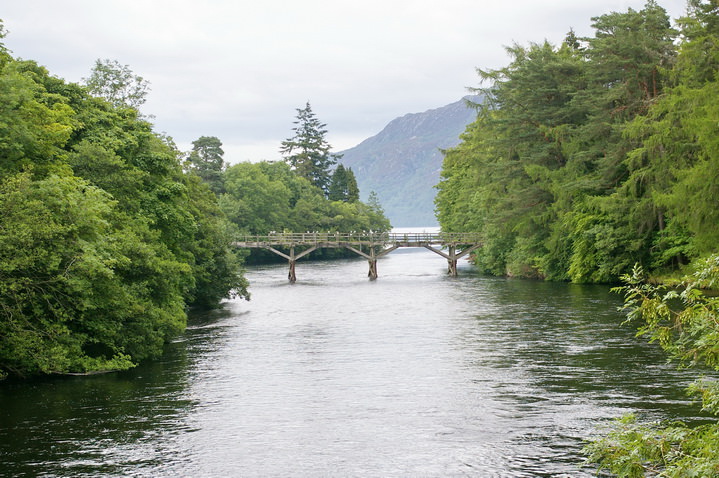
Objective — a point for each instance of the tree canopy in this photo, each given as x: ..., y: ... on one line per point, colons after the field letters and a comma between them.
x: 264, y: 197
x: 206, y: 160
x: 593, y: 155
x: 117, y: 84
x: 343, y: 185
x: 104, y: 242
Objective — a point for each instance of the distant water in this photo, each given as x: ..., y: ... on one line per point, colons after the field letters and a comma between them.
x: 415, y: 374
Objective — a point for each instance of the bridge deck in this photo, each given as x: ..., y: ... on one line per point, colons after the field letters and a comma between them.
x: 332, y: 239
x: 371, y: 246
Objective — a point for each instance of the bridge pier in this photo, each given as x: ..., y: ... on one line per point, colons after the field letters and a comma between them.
x: 372, y: 274
x: 372, y: 258
x: 292, y: 275
x: 292, y: 259
x: 452, y: 261
x: 452, y: 256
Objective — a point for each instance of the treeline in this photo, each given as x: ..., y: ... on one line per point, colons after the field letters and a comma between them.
x: 268, y: 196
x: 307, y: 192
x: 592, y: 156
x: 108, y: 233
x: 104, y: 241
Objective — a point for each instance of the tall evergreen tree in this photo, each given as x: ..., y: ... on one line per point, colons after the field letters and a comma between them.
x: 206, y: 160
x: 308, y: 152
x: 353, y: 192
x: 343, y: 186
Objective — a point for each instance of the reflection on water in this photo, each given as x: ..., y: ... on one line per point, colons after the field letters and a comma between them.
x: 415, y: 374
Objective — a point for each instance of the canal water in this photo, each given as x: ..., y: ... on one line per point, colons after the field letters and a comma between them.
x: 416, y: 374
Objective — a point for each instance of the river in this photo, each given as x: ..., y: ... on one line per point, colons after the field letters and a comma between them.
x: 416, y: 374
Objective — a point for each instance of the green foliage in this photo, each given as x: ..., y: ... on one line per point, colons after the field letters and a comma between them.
x: 308, y: 152
x: 689, y: 334
x: 378, y: 220
x: 629, y: 53
x: 343, y: 185
x: 265, y: 197
x: 257, y: 200
x: 589, y: 157
x: 216, y: 264
x: 34, y: 124
x: 636, y: 450
x: 117, y: 84
x: 514, y: 164
x: 685, y: 322
x: 64, y: 306
x: 206, y: 160
x: 104, y: 242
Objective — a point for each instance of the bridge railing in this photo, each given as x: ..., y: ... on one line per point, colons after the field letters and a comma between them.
x: 362, y: 237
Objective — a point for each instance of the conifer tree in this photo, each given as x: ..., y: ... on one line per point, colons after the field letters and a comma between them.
x: 343, y: 185
x: 353, y: 191
x: 308, y: 152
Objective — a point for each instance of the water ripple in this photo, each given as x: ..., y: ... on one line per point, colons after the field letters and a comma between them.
x: 415, y: 374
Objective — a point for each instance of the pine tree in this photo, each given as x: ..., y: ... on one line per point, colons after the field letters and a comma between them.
x: 353, y: 192
x: 343, y: 186
x: 308, y: 152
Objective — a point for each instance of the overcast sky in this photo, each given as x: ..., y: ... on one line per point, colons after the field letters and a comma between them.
x: 239, y: 69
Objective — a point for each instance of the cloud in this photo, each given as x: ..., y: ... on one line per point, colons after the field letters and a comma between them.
x: 238, y: 69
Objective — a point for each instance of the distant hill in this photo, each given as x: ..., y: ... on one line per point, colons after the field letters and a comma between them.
x: 402, y: 163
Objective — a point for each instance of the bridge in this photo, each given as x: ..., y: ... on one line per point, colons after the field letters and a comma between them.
x: 369, y: 245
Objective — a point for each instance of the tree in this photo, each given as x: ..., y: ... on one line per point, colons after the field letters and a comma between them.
x: 104, y: 242
x: 353, y: 192
x: 117, y: 84
x: 4, y: 55
x: 84, y: 286
x: 206, y: 161
x: 515, y: 163
x: 676, y: 163
x: 35, y: 124
x: 547, y: 172
x: 264, y: 197
x: 308, y: 152
x: 379, y: 221
x: 684, y: 323
x: 256, y: 202
x: 216, y: 265
x: 630, y: 54
x: 343, y: 186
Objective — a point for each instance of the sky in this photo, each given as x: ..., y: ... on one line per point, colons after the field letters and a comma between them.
x: 240, y: 69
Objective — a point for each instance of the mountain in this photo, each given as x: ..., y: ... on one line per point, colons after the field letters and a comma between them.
x: 403, y: 161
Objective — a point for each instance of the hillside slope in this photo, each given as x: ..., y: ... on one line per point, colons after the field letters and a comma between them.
x: 402, y: 163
